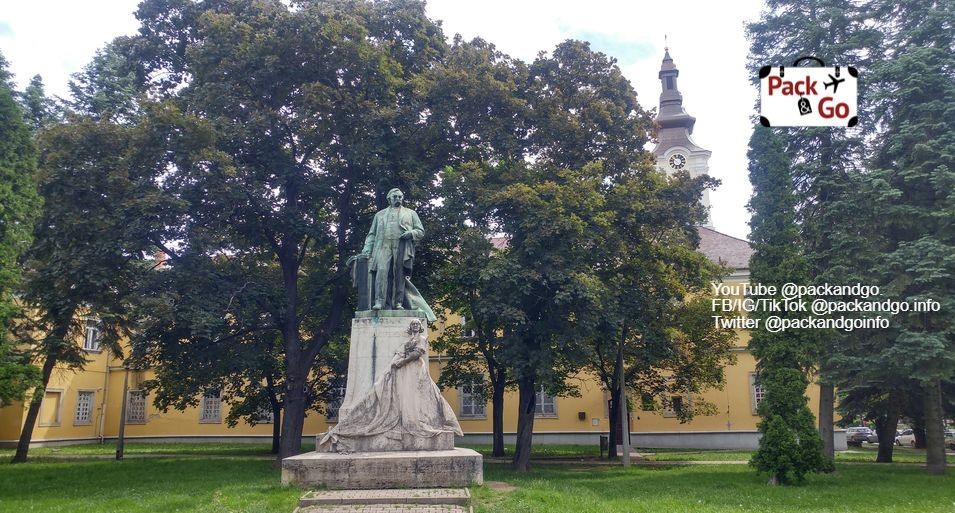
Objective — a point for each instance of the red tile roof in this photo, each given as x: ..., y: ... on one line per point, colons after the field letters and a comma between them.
x: 724, y: 249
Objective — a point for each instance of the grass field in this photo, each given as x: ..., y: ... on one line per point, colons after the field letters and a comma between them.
x: 243, y: 484
x: 239, y: 477
x: 715, y: 488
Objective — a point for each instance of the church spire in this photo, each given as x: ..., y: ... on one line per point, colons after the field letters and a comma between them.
x: 675, y: 149
x: 671, y: 114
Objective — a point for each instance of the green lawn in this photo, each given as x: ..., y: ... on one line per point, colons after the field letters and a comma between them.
x: 252, y: 485
x: 145, y: 485
x: 714, y: 488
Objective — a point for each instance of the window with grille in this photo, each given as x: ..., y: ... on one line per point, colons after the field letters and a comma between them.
x: 546, y: 404
x: 473, y: 403
x: 84, y: 407
x: 211, y: 407
x: 756, y: 392
x: 336, y: 396
x: 136, y: 407
x: 92, y: 333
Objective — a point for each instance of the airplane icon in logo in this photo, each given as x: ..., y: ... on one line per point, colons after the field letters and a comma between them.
x: 835, y: 83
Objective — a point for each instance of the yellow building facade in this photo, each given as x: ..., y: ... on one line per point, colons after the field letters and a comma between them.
x: 86, y: 405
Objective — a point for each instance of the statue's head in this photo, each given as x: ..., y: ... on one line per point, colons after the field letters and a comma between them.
x: 415, y: 327
x: 395, y: 197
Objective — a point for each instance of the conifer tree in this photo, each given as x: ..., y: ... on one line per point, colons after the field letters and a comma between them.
x: 19, y: 205
x: 825, y: 160
x: 915, y: 181
x: 790, y: 446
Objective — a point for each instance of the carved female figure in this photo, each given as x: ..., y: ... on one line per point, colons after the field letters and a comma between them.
x: 404, y: 402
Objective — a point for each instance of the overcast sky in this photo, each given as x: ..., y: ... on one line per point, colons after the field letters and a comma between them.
x: 55, y: 38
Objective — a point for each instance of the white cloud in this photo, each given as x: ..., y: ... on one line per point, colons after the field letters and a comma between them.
x: 57, y: 38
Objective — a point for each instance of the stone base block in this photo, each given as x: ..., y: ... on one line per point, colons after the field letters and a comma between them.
x: 369, y: 470
x: 420, y: 496
x: 385, y: 443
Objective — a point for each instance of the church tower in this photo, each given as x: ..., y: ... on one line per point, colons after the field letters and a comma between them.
x: 676, y: 150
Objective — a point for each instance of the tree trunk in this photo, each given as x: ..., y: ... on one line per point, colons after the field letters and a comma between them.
x: 827, y: 419
x: 527, y: 403
x: 26, y: 435
x: 276, y: 430
x: 293, y: 419
x: 497, y: 413
x: 918, y: 435
x: 614, y: 422
x: 885, y: 427
x: 296, y: 368
x: 934, y: 430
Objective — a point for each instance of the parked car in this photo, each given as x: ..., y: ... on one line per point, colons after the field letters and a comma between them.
x: 873, y: 437
x: 907, y: 438
x: 857, y: 435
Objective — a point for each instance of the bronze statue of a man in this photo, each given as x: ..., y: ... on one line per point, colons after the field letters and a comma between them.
x: 390, y: 246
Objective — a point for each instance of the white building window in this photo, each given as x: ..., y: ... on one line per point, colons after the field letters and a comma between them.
x: 546, y: 405
x: 211, y: 407
x: 92, y: 333
x: 84, y: 407
x: 465, y: 331
x: 336, y: 396
x: 756, y: 392
x: 473, y: 403
x: 136, y: 407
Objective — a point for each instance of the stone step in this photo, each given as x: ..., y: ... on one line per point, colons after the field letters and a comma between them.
x: 414, y: 496
x: 385, y: 508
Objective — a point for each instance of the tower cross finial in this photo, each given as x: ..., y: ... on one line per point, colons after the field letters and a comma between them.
x: 666, y: 45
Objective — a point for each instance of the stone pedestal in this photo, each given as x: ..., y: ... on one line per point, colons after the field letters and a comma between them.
x: 396, y: 434
x: 375, y: 336
x: 373, y: 470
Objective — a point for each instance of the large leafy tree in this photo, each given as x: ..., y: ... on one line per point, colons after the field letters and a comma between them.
x: 789, y: 446
x: 483, y: 91
x: 657, y: 320
x: 316, y: 111
x: 19, y: 207
x: 574, y: 115
x: 101, y: 208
